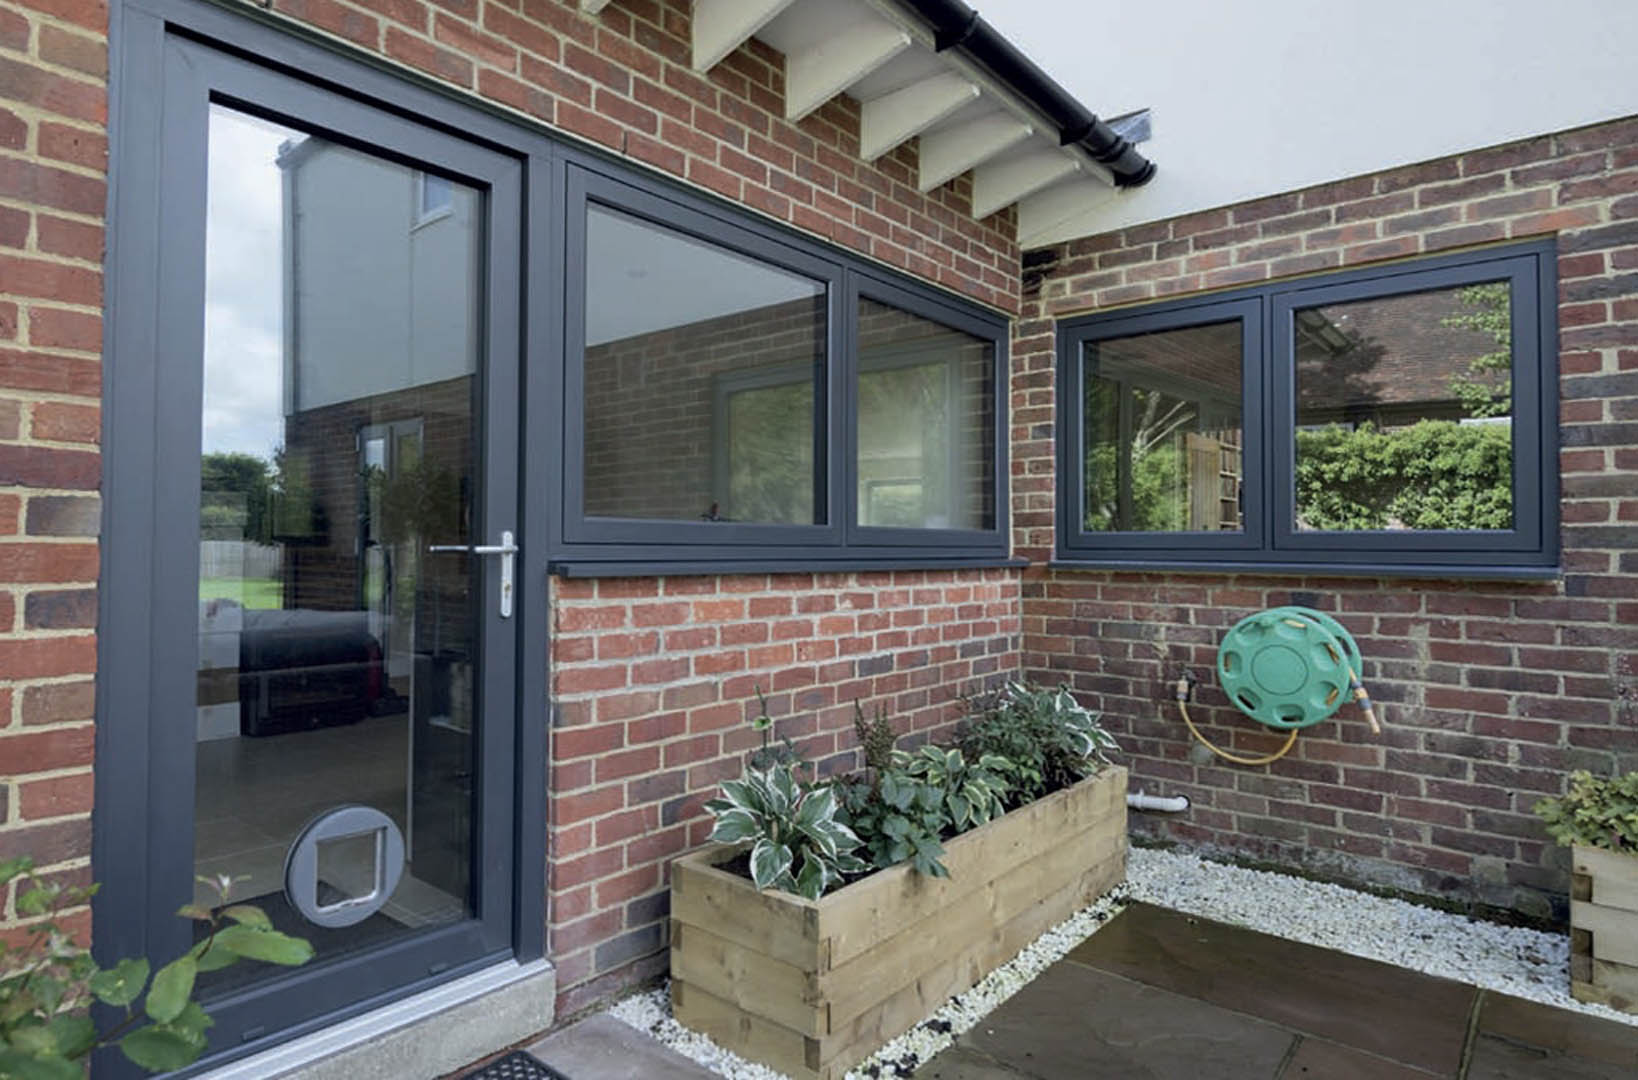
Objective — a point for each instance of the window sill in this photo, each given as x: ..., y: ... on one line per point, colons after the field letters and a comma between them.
x: 1451, y: 572
x: 589, y: 568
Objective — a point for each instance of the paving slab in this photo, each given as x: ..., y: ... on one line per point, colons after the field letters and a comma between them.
x: 965, y: 1063
x: 1564, y: 1031
x: 602, y: 1048
x: 1318, y: 1059
x: 1078, y: 1023
x: 1387, y: 1011
x: 1499, y: 1059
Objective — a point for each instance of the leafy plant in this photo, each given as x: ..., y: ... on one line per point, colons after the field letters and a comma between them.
x: 899, y: 818
x: 769, y: 755
x: 971, y: 792
x: 48, y: 983
x: 1050, y: 739
x: 876, y: 738
x: 1434, y: 474
x: 1595, y: 812
x: 796, y: 842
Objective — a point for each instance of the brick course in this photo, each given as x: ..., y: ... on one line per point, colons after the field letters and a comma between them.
x: 1490, y: 691
x: 52, y: 188
x: 654, y: 682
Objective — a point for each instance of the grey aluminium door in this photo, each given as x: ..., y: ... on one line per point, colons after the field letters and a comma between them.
x: 315, y: 699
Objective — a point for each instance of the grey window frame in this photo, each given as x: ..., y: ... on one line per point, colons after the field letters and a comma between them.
x: 1530, y: 550
x: 587, y: 546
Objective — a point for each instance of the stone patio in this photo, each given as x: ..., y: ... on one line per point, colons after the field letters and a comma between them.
x: 1159, y: 994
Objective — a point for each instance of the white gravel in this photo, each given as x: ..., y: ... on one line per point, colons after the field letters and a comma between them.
x: 1510, y: 960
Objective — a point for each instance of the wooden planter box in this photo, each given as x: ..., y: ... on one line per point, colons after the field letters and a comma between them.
x: 1603, y: 928
x: 812, y: 988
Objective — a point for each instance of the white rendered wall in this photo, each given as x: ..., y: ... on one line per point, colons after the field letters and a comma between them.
x: 1259, y: 97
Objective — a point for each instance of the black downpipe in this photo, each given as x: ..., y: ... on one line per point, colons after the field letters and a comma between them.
x: 957, y: 26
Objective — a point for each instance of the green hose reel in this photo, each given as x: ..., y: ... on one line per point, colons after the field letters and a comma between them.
x: 1288, y: 667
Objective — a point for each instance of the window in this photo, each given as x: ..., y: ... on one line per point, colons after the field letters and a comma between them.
x: 739, y: 397
x: 1395, y: 419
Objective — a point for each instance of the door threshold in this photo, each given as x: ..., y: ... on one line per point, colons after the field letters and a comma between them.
x: 426, y: 1035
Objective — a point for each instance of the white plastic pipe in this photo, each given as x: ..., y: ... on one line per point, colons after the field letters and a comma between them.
x: 1174, y: 804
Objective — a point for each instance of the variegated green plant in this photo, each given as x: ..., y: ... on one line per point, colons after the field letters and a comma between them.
x: 1595, y: 811
x: 1051, y: 738
x: 796, y: 842
x: 973, y: 791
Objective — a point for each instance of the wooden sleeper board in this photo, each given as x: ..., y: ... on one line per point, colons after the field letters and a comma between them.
x: 812, y: 988
x: 1604, y: 928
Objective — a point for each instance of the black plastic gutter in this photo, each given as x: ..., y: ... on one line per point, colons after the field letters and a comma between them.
x: 957, y: 26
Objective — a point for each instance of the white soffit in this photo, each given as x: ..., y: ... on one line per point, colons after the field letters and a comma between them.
x: 883, y: 57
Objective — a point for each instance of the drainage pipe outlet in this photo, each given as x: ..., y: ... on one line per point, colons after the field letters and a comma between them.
x: 1173, y: 804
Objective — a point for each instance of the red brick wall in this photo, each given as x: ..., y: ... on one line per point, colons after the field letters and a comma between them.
x: 1490, y: 691
x: 622, y: 79
x: 53, y: 116
x: 654, y: 681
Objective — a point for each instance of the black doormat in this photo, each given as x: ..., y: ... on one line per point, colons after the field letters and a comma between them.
x: 517, y: 1065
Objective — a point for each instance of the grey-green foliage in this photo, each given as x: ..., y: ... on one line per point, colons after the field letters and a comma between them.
x: 797, y: 844
x: 921, y: 797
x: 48, y: 983
x: 898, y: 818
x: 972, y: 791
x: 1595, y: 811
x: 1050, y: 739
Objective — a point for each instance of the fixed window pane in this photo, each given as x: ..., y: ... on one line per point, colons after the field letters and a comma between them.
x: 1404, y: 412
x: 703, y: 377
x: 1162, y: 431
x: 926, y: 455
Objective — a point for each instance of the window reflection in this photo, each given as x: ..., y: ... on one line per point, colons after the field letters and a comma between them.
x: 1162, y: 431
x: 336, y: 655
x: 926, y: 423
x: 1404, y: 412
x: 703, y: 371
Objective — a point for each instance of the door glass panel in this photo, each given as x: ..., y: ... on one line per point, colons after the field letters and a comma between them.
x: 336, y: 653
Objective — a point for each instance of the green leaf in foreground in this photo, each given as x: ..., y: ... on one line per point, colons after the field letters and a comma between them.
x: 173, y: 986
x: 159, y: 1049
x: 268, y: 946
x: 121, y: 984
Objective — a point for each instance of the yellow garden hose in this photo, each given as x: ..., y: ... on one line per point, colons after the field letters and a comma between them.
x: 1305, y: 621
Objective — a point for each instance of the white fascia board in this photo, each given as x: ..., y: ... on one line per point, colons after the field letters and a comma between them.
x: 891, y: 119
x: 721, y: 26
x: 824, y: 70
x: 951, y: 151
x: 997, y: 184
x: 592, y: 7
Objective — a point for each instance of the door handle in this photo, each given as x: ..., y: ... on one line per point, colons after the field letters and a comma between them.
x: 506, y: 549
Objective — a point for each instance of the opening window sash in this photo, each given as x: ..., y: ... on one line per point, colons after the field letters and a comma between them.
x: 972, y: 515
x: 1082, y: 368
x: 740, y: 416
x: 591, y: 192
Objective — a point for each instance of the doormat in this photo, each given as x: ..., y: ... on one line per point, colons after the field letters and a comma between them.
x: 517, y: 1065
